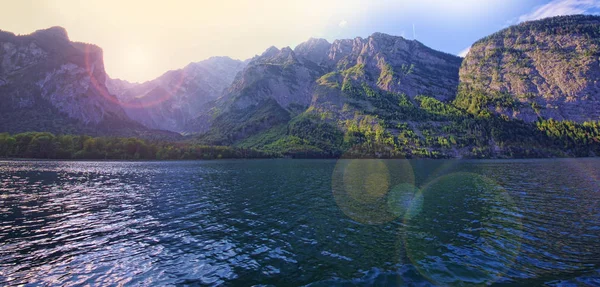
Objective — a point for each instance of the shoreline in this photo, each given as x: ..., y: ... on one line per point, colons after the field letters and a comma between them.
x: 288, y: 158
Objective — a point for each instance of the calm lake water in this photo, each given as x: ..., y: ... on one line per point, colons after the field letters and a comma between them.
x: 300, y: 222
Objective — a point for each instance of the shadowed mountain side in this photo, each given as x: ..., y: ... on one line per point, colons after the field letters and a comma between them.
x: 48, y: 83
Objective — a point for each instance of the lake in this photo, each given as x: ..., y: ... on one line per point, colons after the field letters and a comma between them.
x: 301, y: 222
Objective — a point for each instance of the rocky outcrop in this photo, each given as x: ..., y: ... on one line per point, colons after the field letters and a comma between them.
x: 170, y: 101
x: 48, y: 83
x: 276, y: 74
x: 315, y: 50
x: 546, y: 69
x: 397, y: 65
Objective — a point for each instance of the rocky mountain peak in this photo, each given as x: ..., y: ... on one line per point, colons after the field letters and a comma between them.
x: 219, y: 60
x: 55, y: 32
x: 270, y: 52
x: 315, y: 50
x: 315, y: 42
x: 276, y: 56
x: 383, y: 38
x: 342, y: 48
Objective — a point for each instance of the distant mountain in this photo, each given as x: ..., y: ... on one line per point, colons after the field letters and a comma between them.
x: 48, y: 83
x: 170, y: 101
x: 545, y: 69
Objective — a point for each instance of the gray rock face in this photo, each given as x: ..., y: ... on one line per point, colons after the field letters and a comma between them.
x: 397, y: 65
x: 548, y: 68
x: 120, y: 88
x: 391, y: 63
x: 178, y: 96
x: 45, y: 75
x: 314, y: 50
x: 277, y: 74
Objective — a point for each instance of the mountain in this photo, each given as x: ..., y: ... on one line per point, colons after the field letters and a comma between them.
x: 318, y: 77
x: 170, y: 101
x: 48, y: 83
x: 547, y: 69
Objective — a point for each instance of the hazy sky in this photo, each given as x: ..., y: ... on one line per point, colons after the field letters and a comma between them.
x: 143, y: 39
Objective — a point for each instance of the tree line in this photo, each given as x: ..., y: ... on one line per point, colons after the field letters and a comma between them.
x: 46, y: 145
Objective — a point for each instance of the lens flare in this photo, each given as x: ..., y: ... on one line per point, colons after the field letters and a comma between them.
x: 405, y: 200
x: 361, y: 188
x: 453, y: 245
x: 366, y: 181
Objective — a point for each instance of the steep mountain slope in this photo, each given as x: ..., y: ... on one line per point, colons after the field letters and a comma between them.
x: 396, y: 65
x: 546, y: 69
x: 48, y: 83
x: 171, y: 100
x: 282, y: 84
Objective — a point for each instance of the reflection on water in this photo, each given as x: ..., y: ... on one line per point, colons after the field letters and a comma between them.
x: 299, y: 222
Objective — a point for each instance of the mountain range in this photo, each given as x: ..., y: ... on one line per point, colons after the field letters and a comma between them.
x: 530, y: 90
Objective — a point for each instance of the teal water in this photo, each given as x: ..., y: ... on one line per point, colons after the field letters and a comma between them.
x: 301, y: 222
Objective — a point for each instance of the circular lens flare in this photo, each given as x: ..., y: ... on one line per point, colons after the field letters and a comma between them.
x: 405, y: 200
x: 361, y: 188
x: 366, y: 181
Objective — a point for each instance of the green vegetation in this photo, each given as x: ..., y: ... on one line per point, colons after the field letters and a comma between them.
x: 307, y: 135
x: 378, y: 123
x: 329, y: 80
x: 395, y: 128
x: 386, y: 76
x: 392, y: 125
x: 357, y: 70
x: 478, y: 102
x: 582, y: 139
x: 435, y: 107
x: 556, y: 26
x: 407, y: 69
x: 49, y: 146
x: 232, y: 126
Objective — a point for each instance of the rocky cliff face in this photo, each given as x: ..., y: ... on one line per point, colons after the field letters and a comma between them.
x: 277, y: 74
x: 397, y: 65
x: 540, y: 69
x: 173, y: 99
x: 48, y: 83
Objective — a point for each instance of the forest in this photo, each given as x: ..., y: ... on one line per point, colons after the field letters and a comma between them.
x: 46, y: 145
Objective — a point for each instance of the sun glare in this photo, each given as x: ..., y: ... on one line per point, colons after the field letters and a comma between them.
x: 137, y: 59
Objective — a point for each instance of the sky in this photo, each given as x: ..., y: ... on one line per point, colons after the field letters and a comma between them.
x: 142, y: 39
